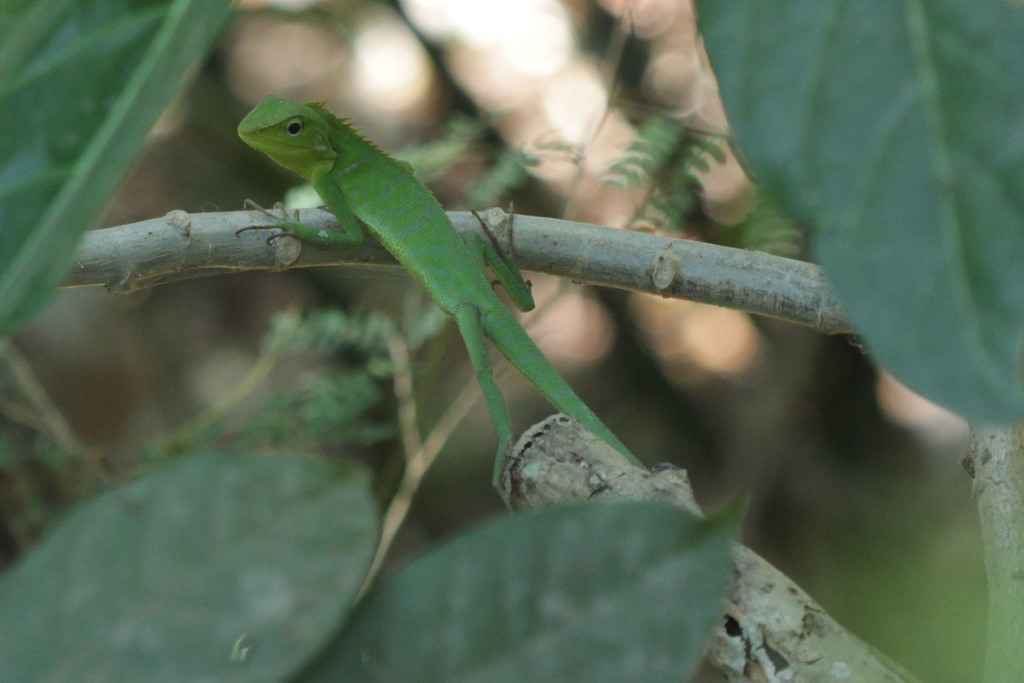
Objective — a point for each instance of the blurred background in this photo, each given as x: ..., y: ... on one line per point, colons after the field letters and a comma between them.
x: 599, y: 111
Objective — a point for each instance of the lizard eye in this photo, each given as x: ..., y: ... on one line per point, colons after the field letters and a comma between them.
x: 293, y: 127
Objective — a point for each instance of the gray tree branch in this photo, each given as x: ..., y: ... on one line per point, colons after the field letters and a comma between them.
x: 181, y: 246
x: 996, y: 462
x: 770, y: 630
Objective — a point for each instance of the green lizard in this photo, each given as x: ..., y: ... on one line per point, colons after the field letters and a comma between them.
x: 364, y: 186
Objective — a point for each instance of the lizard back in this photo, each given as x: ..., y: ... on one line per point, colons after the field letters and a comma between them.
x: 406, y: 218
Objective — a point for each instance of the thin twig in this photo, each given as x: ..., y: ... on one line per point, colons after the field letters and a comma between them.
x: 610, y: 73
x: 255, y: 377
x: 416, y: 466
x: 399, y: 354
x: 46, y: 417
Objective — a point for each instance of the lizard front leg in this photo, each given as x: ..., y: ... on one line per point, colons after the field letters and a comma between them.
x: 350, y: 235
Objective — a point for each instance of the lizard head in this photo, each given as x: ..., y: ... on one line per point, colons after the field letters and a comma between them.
x: 292, y: 134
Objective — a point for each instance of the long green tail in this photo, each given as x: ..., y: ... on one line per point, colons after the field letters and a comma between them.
x: 509, y: 337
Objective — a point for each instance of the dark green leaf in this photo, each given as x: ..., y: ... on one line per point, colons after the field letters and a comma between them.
x: 81, y: 83
x: 894, y: 128
x: 592, y: 593
x: 215, y: 567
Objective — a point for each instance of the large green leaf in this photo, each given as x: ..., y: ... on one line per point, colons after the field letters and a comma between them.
x: 81, y: 83
x: 216, y: 567
x: 592, y: 593
x: 897, y: 130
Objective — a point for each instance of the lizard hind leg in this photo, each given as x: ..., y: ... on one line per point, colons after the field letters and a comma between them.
x: 502, y: 263
x: 467, y: 317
